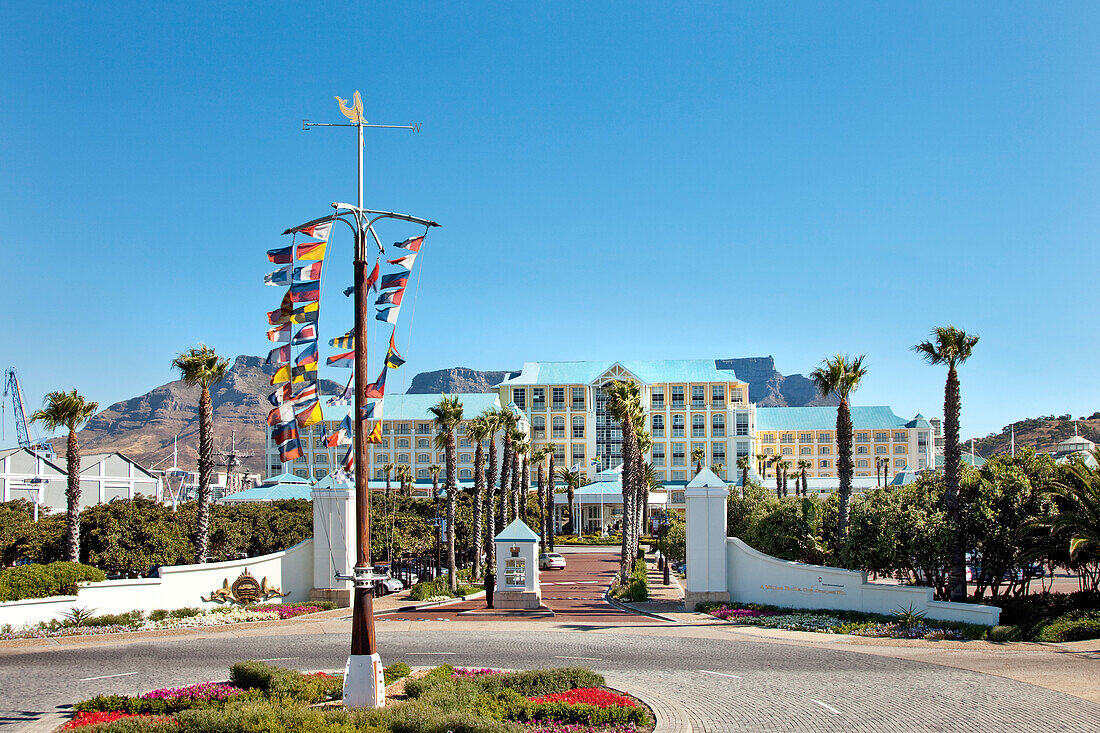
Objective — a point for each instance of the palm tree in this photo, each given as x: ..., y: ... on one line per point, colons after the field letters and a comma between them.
x: 786, y: 467
x: 477, y: 430
x: 650, y: 481
x: 434, y: 470
x: 840, y: 375
x: 551, y: 489
x: 804, y: 466
x: 68, y: 410
x: 404, y: 478
x: 388, y: 468
x: 507, y: 425
x: 951, y: 346
x: 493, y: 423
x: 698, y: 455
x: 743, y: 463
x: 1077, y: 496
x: 718, y: 468
x: 537, y: 457
x: 624, y: 406
x: 447, y: 414
x: 202, y: 367
x: 523, y: 481
x: 572, y: 480
x: 776, y: 461
x: 761, y: 464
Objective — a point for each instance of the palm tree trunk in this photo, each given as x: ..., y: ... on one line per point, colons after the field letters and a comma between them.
x: 72, y: 499
x: 630, y: 450
x: 844, y: 466
x: 805, y: 484
x: 505, y: 475
x: 490, y: 507
x: 524, y: 489
x: 479, y: 480
x: 550, y: 502
x: 452, y: 490
x: 952, y: 472
x: 206, y: 466
x: 778, y: 483
x: 542, y: 505
x: 744, y: 480
x: 514, y: 495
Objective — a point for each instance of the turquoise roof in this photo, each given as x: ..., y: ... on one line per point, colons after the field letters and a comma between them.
x: 517, y: 531
x: 270, y: 492
x: 415, y: 406
x: 649, y: 371
x: 285, y: 478
x: 824, y: 418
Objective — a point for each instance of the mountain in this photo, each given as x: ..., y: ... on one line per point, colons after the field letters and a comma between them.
x: 1041, y: 433
x: 767, y: 387
x: 143, y: 427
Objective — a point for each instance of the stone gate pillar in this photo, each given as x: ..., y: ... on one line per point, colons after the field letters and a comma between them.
x: 706, y: 539
x: 334, y: 547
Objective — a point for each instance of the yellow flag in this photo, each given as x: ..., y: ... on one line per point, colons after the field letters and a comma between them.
x: 305, y: 314
x: 311, y: 250
x: 310, y: 416
x: 376, y: 433
x: 281, y: 375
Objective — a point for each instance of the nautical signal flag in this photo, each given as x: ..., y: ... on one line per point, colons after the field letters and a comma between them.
x: 305, y: 334
x: 317, y: 231
x: 284, y: 432
x: 305, y: 292
x: 279, y: 334
x: 279, y: 355
x: 282, y: 374
x: 279, y: 277
x: 345, y: 398
x: 281, y: 414
x: 347, y: 341
x: 280, y: 395
x: 372, y: 410
x: 391, y: 297
x: 372, y: 279
x: 406, y: 261
x: 303, y: 373
x: 393, y: 359
x: 378, y: 389
x: 348, y: 461
x: 375, y: 433
x: 281, y: 255
x: 311, y: 271
x: 311, y: 415
x: 311, y: 250
x: 344, y: 361
x: 412, y: 243
x: 308, y: 355
x: 290, y: 450
x: 342, y: 436
x: 305, y: 314
x: 394, y: 280
x: 305, y: 394
x: 388, y: 314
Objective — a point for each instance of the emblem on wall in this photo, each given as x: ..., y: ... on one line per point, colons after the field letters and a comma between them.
x: 514, y: 549
x: 244, y: 589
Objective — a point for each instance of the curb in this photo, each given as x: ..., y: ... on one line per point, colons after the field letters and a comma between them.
x: 431, y: 604
x: 629, y: 609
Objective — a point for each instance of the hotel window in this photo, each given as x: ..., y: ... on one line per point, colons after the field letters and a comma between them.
x: 717, y: 452
x: 805, y: 450
x: 882, y: 437
x: 862, y: 450
x: 519, y: 396
x: 717, y: 396
x: 538, y: 426
x: 578, y: 398
x: 422, y: 473
x: 380, y: 474
x: 319, y: 443
x: 769, y: 450
x: 698, y: 426
x: 403, y: 458
x: 677, y: 396
x: 578, y: 453
x: 423, y: 458
x: 805, y: 437
x: 423, y: 443
x: 464, y: 443
x: 558, y: 398
x: 424, y: 428
x: 320, y: 458
x: 403, y: 429
x: 578, y: 426
x: 899, y: 449
x: 301, y: 459
x: 385, y: 444
x: 677, y: 454
x: 862, y: 463
x: 385, y: 428
x: 824, y: 438
x: 402, y: 442
x: 538, y: 398
x: 658, y: 454
x: 881, y: 450
x: 788, y: 451
x: 465, y: 473
x: 742, y: 423
x: 464, y: 458
x: 559, y: 454
x: 301, y: 473
x: 558, y: 427
x: 380, y: 458
x: 863, y: 437
x: 899, y: 462
x: 823, y: 464
x: 658, y: 426
x: 735, y: 396
x: 678, y: 476
x: 786, y: 437
x: 826, y: 450
x: 899, y: 436
x: 657, y: 398
x: 698, y: 396
x: 677, y: 426
x: 742, y: 448
x: 718, y: 425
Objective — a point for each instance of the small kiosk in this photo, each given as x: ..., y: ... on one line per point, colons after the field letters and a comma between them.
x: 517, y: 570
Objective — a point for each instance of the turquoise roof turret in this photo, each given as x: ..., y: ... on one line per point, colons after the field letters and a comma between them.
x: 517, y: 531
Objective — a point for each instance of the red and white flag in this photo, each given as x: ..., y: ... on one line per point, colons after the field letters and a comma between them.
x: 318, y: 231
x: 405, y: 262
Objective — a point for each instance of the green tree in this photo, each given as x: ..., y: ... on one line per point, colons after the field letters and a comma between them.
x: 840, y: 375
x: 625, y: 407
x: 743, y: 464
x: 202, y: 367
x: 477, y: 430
x: 447, y: 415
x: 572, y: 480
x: 434, y: 470
x: 803, y: 467
x: 538, y: 457
x: 951, y: 346
x: 68, y: 410
x: 495, y: 423
x: 698, y: 455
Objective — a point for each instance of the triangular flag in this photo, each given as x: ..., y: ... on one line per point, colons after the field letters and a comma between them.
x: 279, y: 355
x: 282, y: 255
x: 305, y: 334
x: 281, y: 414
x: 405, y: 262
x: 305, y: 314
x: 279, y: 277
x: 394, y: 280
x: 391, y: 297
x: 373, y: 410
x: 308, y: 355
x: 375, y: 433
x: 311, y: 271
x: 372, y: 279
x: 280, y: 395
x: 344, y: 361
x: 348, y: 461
x: 393, y: 359
x: 412, y: 243
x: 318, y: 231
x: 282, y: 374
x: 303, y: 373
x: 305, y: 394
x: 378, y: 389
x: 310, y: 415
x: 347, y: 341
x: 279, y: 334
x: 311, y: 250
x: 388, y: 314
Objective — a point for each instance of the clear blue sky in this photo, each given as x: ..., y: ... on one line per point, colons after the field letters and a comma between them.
x: 615, y: 180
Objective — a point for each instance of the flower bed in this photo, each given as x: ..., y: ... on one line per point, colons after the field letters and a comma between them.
x: 200, y: 691
x: 904, y: 625
x: 587, y: 696
x: 464, y: 672
x: 83, y: 720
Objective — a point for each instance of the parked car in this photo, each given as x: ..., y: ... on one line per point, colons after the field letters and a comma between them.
x: 389, y: 585
x: 551, y: 561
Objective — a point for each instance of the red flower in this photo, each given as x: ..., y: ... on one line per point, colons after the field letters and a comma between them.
x: 83, y: 719
x: 587, y: 696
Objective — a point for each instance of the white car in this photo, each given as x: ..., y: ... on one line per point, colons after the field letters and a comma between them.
x: 551, y: 561
x: 391, y: 585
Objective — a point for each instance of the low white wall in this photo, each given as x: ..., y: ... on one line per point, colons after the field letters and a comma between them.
x: 753, y: 577
x: 290, y: 570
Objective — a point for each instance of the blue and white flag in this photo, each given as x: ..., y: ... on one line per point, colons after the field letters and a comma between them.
x: 279, y: 277
x: 388, y: 315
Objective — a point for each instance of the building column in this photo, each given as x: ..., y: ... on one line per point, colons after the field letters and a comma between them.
x: 706, y: 545
x: 334, y: 545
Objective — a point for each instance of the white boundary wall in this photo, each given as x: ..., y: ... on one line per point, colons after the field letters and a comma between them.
x: 290, y: 570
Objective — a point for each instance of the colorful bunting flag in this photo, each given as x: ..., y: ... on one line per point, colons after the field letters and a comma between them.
x: 282, y: 374
x: 279, y: 334
x: 305, y: 334
x: 344, y: 361
x: 347, y: 341
x: 311, y: 415
x: 348, y: 291
x: 305, y: 394
x: 342, y: 436
x: 279, y: 355
x: 373, y: 410
x: 388, y: 314
x: 280, y: 316
x: 305, y: 314
x: 290, y: 450
x: 308, y: 355
x: 317, y: 231
x: 303, y: 373
x: 281, y: 255
x: 405, y: 262
x: 391, y: 297
x: 412, y: 243
x: 347, y: 463
x: 372, y: 279
x: 279, y: 277
x: 376, y: 433
x: 280, y: 395
x: 378, y: 389
x: 281, y: 414
x: 394, y: 280
x: 393, y: 359
x: 311, y: 250
x: 311, y: 271
x: 284, y: 432
x: 305, y: 292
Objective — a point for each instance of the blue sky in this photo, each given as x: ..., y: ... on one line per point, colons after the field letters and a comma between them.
x: 615, y: 181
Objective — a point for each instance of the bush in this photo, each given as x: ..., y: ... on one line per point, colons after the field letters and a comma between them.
x: 396, y: 671
x: 266, y: 717
x: 1034, y: 612
x: 281, y: 683
x: 43, y: 581
x: 1072, y: 628
x: 439, y: 587
x: 636, y: 588
x: 533, y: 683
x: 129, y: 618
x: 1003, y: 633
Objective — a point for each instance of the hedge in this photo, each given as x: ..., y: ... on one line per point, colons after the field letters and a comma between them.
x: 43, y: 581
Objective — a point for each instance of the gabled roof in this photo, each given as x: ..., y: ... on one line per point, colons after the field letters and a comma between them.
x: 648, y: 371
x: 706, y: 479
x: 269, y: 492
x: 87, y: 460
x: 517, y: 531
x: 4, y: 453
x: 285, y: 478
x: 824, y: 418
x: 416, y: 406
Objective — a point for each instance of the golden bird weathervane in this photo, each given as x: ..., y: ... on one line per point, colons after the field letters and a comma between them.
x: 355, y: 111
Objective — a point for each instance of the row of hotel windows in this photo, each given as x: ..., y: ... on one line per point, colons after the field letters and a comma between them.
x: 699, y: 425
x: 824, y: 450
x: 657, y: 397
x: 900, y: 436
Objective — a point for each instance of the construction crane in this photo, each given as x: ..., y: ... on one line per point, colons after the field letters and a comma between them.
x: 12, y: 386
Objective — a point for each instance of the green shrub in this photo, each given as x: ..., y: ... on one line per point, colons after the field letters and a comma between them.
x: 134, y: 725
x: 1003, y: 633
x: 636, y: 588
x: 532, y: 683
x: 266, y: 717
x: 439, y: 587
x: 43, y: 581
x: 1072, y: 628
x: 396, y: 671
x: 281, y: 683
x: 129, y: 618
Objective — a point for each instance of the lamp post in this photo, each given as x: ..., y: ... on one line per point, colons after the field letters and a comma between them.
x: 363, y: 679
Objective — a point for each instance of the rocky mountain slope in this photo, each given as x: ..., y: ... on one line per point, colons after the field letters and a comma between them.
x: 456, y: 379
x: 1041, y: 433
x: 143, y: 427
